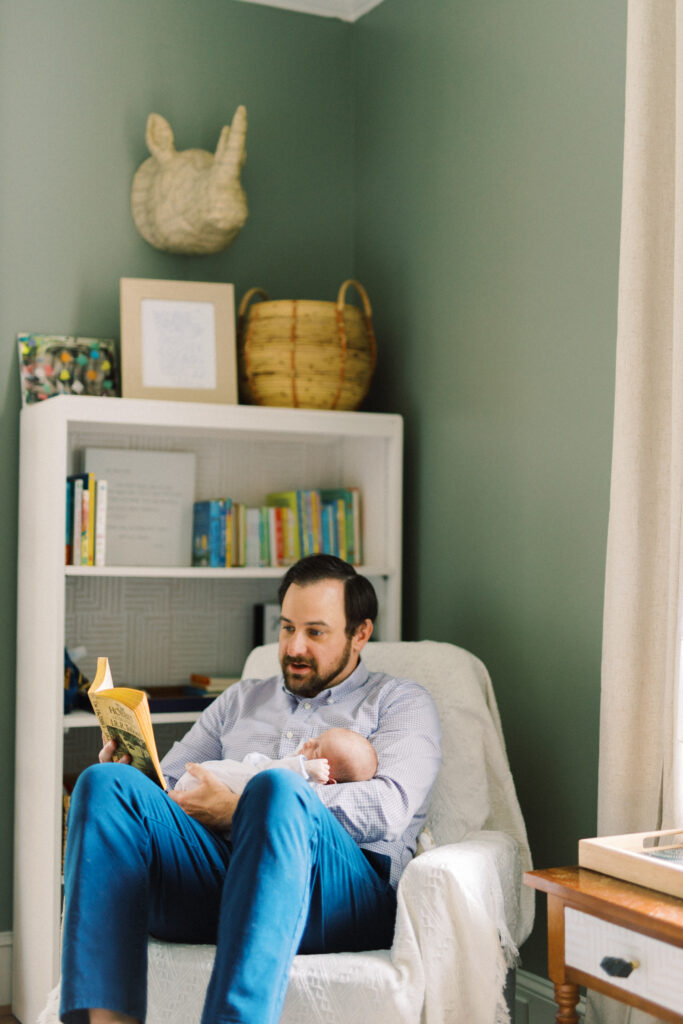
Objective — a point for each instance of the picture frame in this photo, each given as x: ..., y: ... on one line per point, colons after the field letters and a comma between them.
x: 178, y: 340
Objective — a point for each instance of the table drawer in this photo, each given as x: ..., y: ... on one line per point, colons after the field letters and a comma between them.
x: 659, y: 975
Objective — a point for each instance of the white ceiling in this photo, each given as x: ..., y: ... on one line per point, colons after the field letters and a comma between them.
x: 347, y: 10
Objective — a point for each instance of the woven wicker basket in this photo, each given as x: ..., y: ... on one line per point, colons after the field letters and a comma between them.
x: 305, y: 354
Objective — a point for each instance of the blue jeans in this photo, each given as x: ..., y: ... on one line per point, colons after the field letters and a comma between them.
x: 289, y: 880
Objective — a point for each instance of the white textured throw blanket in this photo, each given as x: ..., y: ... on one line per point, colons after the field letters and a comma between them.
x: 462, y: 911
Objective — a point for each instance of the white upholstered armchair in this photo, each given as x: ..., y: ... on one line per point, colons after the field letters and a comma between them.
x: 462, y: 910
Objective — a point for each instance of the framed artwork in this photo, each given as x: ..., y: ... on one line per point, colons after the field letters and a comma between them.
x: 60, y: 364
x: 178, y: 341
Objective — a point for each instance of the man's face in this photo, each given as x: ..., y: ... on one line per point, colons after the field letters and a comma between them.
x: 315, y: 652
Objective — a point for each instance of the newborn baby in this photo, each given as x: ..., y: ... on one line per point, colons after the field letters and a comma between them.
x: 337, y: 755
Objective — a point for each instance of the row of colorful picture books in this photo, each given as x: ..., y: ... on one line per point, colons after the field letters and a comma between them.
x: 288, y: 526
x: 86, y: 519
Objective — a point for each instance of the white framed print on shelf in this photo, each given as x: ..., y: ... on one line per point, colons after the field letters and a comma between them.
x: 178, y: 340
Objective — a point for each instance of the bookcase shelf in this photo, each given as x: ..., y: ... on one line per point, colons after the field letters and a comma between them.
x: 182, y: 572
x: 84, y: 720
x: 157, y: 625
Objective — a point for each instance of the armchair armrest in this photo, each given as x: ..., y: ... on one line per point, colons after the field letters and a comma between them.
x: 459, y: 915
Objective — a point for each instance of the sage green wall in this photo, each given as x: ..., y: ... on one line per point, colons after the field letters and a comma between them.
x: 77, y: 81
x: 488, y: 179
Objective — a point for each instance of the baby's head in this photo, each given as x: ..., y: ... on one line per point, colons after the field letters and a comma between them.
x: 352, y: 758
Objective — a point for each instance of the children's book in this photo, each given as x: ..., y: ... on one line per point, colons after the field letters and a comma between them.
x: 101, y: 490
x: 292, y: 541
x: 350, y: 532
x: 123, y: 714
x: 83, y: 518
x: 77, y: 519
x: 69, y: 538
x: 209, y: 533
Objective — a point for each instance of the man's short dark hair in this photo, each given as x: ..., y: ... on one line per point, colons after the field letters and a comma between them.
x: 360, y: 599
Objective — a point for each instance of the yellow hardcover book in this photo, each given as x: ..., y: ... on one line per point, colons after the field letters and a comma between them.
x: 123, y: 714
x: 316, y: 521
x: 88, y: 520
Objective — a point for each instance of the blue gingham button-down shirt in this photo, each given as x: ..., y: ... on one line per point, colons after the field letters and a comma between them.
x: 383, y: 815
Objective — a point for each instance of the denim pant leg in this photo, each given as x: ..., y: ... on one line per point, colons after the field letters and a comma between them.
x: 296, y: 883
x: 135, y: 862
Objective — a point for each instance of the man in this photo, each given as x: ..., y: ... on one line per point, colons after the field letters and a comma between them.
x: 278, y: 870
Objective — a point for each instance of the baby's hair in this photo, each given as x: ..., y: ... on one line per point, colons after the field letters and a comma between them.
x: 357, y: 762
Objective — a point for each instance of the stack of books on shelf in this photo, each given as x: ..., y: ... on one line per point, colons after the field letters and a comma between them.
x: 86, y: 519
x: 290, y: 525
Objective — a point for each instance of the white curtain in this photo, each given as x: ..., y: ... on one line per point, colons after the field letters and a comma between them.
x: 636, y: 775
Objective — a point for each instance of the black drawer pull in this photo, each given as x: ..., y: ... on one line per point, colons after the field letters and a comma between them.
x: 618, y: 968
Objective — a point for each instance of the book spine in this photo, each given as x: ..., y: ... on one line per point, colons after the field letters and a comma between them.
x: 327, y: 524
x: 289, y: 501
x: 223, y: 532
x: 340, y: 520
x: 229, y: 534
x: 301, y: 516
x: 357, y: 531
x: 101, y: 522
x: 350, y: 531
x: 77, y: 520
x: 253, y: 553
x: 216, y: 534
x: 92, y: 497
x: 264, y: 540
x: 316, y: 522
x: 308, y: 519
x: 242, y: 516
x: 289, y: 531
x: 69, y: 532
x: 200, y: 533
x: 275, y: 535
x: 85, y: 524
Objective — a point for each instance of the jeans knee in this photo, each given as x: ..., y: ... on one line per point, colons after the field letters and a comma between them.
x: 277, y: 783
x: 275, y: 792
x: 98, y: 779
x: 98, y: 784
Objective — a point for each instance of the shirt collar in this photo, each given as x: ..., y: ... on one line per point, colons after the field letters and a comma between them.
x: 334, y: 693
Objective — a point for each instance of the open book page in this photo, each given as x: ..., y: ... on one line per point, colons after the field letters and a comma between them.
x: 123, y: 714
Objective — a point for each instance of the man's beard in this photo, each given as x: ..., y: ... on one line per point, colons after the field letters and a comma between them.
x: 314, y: 683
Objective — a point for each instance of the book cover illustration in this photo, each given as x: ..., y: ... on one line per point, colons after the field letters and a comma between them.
x: 58, y: 364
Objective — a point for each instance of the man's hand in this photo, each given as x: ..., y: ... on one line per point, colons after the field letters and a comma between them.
x: 211, y: 802
x: 106, y: 754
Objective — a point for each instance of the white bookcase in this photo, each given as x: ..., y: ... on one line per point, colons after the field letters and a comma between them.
x: 156, y: 625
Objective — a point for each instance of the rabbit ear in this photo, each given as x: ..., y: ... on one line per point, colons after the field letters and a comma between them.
x: 159, y: 138
x: 230, y: 151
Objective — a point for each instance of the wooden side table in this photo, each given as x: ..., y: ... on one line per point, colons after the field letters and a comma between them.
x: 614, y: 937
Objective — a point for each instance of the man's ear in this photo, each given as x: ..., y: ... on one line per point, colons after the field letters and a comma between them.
x: 362, y: 635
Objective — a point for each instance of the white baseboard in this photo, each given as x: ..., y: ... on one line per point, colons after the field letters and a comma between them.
x: 5, y: 968
x: 535, y: 1000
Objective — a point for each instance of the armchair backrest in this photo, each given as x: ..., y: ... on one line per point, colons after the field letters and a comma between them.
x: 474, y: 790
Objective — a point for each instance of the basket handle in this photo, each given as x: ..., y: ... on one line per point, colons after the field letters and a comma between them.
x: 367, y: 319
x: 367, y: 308
x: 245, y: 343
x: 246, y: 299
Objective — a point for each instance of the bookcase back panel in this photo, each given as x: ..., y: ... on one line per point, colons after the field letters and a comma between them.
x: 157, y: 632
x: 82, y: 746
